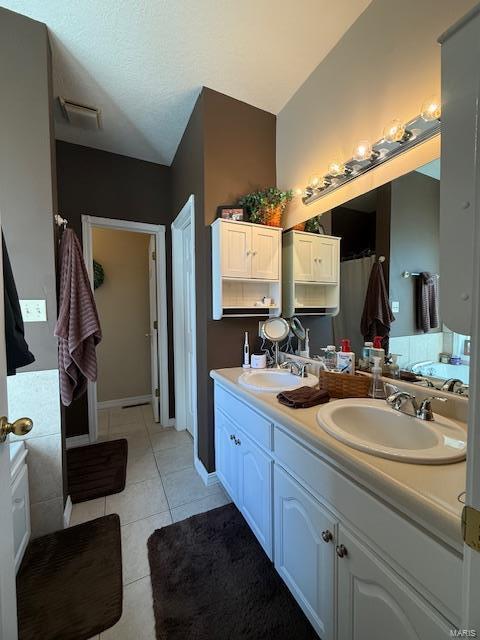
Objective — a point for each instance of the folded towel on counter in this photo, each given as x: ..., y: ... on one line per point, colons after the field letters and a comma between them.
x: 303, y: 397
x: 427, y: 301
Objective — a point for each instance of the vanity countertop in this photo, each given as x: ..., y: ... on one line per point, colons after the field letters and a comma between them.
x: 427, y: 494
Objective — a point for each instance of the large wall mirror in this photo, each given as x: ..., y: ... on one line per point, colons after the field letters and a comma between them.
x: 399, y: 224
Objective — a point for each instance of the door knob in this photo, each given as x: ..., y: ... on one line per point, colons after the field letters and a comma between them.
x: 20, y: 427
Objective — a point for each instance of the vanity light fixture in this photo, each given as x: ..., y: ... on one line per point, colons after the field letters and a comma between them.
x: 397, y: 138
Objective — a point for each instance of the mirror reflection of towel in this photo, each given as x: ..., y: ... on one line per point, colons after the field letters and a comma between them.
x: 18, y: 353
x: 377, y: 314
x: 427, y: 301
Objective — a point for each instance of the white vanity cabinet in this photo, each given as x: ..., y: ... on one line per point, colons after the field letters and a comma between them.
x: 246, y: 267
x: 311, y: 268
x: 357, y: 567
x: 375, y: 603
x: 305, y: 536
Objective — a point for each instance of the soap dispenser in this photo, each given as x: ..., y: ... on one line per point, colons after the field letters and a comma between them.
x: 377, y: 388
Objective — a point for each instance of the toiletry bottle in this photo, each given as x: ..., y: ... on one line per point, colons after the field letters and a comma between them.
x: 305, y: 353
x: 346, y: 358
x: 246, y: 353
x: 331, y: 357
x: 394, y: 368
x: 377, y: 388
x: 377, y: 351
x: 366, y: 354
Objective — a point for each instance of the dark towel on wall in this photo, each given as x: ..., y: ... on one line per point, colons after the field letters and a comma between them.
x: 427, y: 301
x: 18, y: 353
x: 303, y: 397
x: 377, y: 314
x: 78, y: 327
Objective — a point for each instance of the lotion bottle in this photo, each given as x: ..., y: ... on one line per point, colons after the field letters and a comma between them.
x: 346, y: 358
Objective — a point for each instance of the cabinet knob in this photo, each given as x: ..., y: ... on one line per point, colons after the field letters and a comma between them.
x: 327, y: 535
x: 232, y: 437
x: 341, y: 551
x: 237, y: 441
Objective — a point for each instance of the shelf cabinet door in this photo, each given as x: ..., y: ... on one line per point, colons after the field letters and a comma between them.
x: 303, y: 558
x: 265, y: 253
x: 236, y: 250
x: 375, y: 603
x: 325, y: 259
x: 255, y: 489
x: 304, y: 250
x: 225, y: 454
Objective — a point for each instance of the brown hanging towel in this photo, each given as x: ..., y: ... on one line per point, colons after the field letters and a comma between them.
x: 377, y: 315
x: 78, y: 326
x: 427, y: 301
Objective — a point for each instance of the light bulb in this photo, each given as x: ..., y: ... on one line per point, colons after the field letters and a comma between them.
x: 314, y: 181
x: 336, y: 168
x: 431, y: 110
x: 298, y: 192
x: 363, y: 151
x: 394, y: 131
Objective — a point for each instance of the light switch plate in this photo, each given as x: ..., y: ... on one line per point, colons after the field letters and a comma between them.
x: 34, y: 310
x: 395, y: 306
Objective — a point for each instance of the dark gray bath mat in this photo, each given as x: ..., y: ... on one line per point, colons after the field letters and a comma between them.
x: 97, y: 470
x: 69, y: 586
x: 211, y: 580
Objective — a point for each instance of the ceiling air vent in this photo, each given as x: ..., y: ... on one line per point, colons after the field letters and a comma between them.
x: 80, y: 115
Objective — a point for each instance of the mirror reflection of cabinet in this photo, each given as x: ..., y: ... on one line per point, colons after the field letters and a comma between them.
x: 310, y: 274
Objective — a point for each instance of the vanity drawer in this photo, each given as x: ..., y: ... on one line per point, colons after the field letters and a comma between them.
x: 433, y: 567
x: 252, y: 423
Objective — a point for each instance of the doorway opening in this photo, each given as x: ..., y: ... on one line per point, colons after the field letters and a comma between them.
x: 126, y: 260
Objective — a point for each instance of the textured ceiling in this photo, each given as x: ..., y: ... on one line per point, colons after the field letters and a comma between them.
x: 143, y: 62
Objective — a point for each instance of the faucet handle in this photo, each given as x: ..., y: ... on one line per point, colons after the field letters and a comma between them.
x: 425, y: 409
x: 390, y: 389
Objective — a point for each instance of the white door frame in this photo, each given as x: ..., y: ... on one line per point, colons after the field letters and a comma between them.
x: 157, y: 230
x: 185, y: 217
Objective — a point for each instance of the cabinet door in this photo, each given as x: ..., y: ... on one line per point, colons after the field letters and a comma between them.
x: 265, y: 253
x: 374, y: 603
x: 325, y: 259
x: 302, y: 557
x: 225, y: 458
x: 255, y: 489
x: 303, y: 255
x: 236, y: 250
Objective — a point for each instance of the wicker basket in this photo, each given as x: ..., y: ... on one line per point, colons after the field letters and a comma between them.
x: 273, y: 217
x: 299, y: 227
x: 341, y: 385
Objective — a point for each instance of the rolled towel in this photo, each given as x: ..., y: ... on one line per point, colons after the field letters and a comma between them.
x: 303, y: 397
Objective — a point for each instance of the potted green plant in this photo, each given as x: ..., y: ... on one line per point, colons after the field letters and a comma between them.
x: 266, y: 206
x: 314, y: 225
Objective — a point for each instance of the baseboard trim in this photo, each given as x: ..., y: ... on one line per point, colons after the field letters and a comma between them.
x: 67, y: 513
x: 208, y: 478
x: 124, y: 402
x: 77, y: 441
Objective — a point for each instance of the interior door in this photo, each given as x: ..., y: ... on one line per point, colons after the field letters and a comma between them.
x: 8, y: 606
x: 265, y: 253
x: 153, y: 331
x: 236, y: 250
x: 188, y: 285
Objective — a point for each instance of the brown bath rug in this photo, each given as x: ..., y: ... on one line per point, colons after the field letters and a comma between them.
x: 211, y: 580
x: 97, y: 470
x: 69, y: 585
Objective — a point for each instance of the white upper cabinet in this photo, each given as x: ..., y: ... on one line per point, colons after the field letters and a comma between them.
x: 303, y: 257
x: 236, y: 250
x: 325, y: 259
x: 265, y: 252
x: 246, y: 269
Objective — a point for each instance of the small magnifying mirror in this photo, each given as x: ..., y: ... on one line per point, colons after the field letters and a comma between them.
x: 275, y: 330
x: 298, y: 329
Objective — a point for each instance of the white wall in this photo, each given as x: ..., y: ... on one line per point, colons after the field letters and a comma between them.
x: 384, y: 67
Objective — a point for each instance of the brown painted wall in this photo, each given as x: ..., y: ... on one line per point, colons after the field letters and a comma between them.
x: 108, y: 185
x: 227, y: 150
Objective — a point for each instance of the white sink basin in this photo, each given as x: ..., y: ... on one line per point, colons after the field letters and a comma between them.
x: 274, y: 380
x: 374, y: 427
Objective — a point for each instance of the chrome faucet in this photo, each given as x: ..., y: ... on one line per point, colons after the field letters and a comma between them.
x: 424, y: 411
x: 296, y: 368
x: 449, y: 385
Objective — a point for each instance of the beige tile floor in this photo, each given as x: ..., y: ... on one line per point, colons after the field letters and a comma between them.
x: 162, y: 487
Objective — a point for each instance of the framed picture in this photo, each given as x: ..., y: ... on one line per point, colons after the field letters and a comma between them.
x: 231, y: 213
